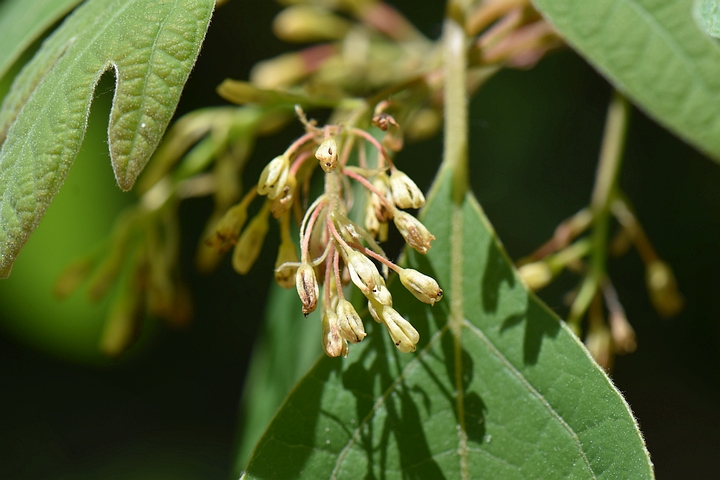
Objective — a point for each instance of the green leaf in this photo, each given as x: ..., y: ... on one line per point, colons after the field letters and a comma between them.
x: 502, y: 389
x: 287, y: 348
x: 708, y: 16
x: 150, y: 46
x: 23, y: 21
x: 653, y: 52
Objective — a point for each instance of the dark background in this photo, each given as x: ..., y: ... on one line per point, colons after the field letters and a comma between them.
x: 170, y: 410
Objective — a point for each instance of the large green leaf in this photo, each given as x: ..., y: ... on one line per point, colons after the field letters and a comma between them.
x: 655, y: 53
x: 150, y: 46
x: 23, y: 21
x: 501, y: 390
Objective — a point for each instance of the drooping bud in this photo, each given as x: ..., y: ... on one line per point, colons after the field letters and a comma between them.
x: 536, y: 275
x: 327, y: 155
x: 663, y: 290
x: 250, y: 243
x: 283, y: 201
x: 401, y: 331
x: 307, y: 23
x: 425, y: 288
x: 332, y: 341
x: 351, y: 326
x: 599, y: 343
x: 285, y: 277
x: 405, y: 192
x: 381, y: 183
x: 623, y: 335
x: 365, y: 275
x: 414, y: 232
x: 228, y: 228
x: 273, y: 177
x: 307, y: 288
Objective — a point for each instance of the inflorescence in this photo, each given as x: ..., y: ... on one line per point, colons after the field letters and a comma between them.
x: 335, y: 250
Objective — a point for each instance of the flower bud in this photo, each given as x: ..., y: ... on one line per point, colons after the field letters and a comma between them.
x: 663, y: 290
x: 599, y: 343
x: 307, y: 23
x: 364, y: 274
x: 283, y: 202
x: 351, y: 326
x: 381, y: 183
x: 536, y: 275
x: 414, y: 232
x: 425, y: 288
x: 623, y: 335
x: 404, y: 191
x: 401, y: 331
x: 327, y: 154
x: 307, y: 288
x: 333, y: 343
x: 250, y: 243
x: 285, y: 277
x: 273, y: 177
x: 228, y: 228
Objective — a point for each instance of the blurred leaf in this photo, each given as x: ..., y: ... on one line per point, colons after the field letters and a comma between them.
x: 654, y: 52
x: 23, y: 21
x: 150, y: 46
x: 510, y: 394
x: 288, y: 347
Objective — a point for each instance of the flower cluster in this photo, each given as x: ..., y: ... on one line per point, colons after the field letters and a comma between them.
x: 334, y: 249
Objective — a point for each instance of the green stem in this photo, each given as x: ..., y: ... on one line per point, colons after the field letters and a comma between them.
x: 456, y: 107
x: 604, y: 193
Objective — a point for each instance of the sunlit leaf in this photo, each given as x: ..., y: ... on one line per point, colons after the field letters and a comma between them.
x: 23, y: 21
x: 655, y: 53
x: 149, y: 46
x: 501, y: 390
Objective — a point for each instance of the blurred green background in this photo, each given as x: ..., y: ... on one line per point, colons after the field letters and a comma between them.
x: 169, y: 409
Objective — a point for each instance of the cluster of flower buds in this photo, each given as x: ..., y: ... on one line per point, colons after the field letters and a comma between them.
x: 334, y: 249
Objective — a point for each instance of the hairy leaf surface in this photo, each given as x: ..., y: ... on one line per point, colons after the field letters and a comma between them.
x: 655, y: 53
x: 502, y: 389
x: 23, y: 21
x: 150, y: 47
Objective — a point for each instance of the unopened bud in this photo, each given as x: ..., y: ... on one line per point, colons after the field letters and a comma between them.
x: 250, y: 243
x: 306, y: 23
x: 285, y: 276
x: 351, y: 326
x: 425, y: 288
x: 283, y: 202
x: 307, y: 288
x: 599, y: 343
x: 381, y: 183
x: 73, y: 276
x: 622, y: 333
x: 273, y: 177
x: 663, y: 290
x: 228, y: 228
x: 536, y: 275
x: 401, y: 331
x: 327, y: 155
x: 414, y: 232
x: 405, y: 192
x: 365, y: 275
x: 332, y: 341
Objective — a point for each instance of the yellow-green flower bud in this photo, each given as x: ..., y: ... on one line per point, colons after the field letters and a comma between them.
x: 283, y: 202
x: 351, y: 326
x: 287, y: 253
x: 381, y: 183
x: 536, y: 275
x: 414, y: 232
x: 599, y: 343
x: 365, y: 275
x: 623, y: 335
x: 307, y: 23
x: 401, y: 331
x: 327, y: 155
x: 307, y: 288
x: 250, y: 243
x: 405, y: 192
x: 663, y: 290
x: 332, y: 341
x: 425, y: 288
x: 273, y: 177
x: 228, y: 228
